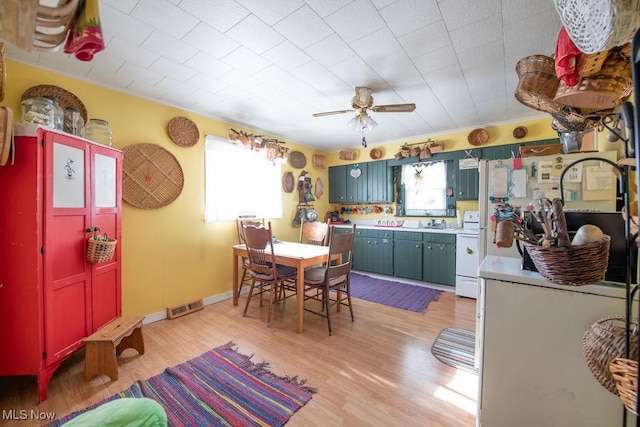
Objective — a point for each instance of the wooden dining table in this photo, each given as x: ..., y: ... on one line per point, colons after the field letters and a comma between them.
x: 298, y: 255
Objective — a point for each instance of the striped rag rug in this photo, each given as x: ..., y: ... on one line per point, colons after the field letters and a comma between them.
x: 219, y: 388
x: 456, y: 347
x: 394, y: 294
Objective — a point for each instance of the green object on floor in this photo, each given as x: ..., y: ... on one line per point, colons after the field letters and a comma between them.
x: 456, y: 347
x: 126, y: 412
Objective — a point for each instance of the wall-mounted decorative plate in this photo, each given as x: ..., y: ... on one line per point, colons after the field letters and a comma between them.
x: 151, y: 176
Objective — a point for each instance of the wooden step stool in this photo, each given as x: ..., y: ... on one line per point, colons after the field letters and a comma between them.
x: 110, y: 341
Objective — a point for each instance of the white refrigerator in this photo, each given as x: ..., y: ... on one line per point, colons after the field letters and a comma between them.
x: 589, y: 187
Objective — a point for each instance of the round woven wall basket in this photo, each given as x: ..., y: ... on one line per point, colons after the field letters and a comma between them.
x: 65, y: 98
x: 151, y: 176
x: 476, y: 137
x: 183, y: 131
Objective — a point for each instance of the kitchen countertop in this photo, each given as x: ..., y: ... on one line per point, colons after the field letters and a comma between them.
x: 509, y: 269
x: 372, y: 226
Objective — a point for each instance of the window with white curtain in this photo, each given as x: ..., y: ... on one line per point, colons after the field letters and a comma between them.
x: 240, y: 182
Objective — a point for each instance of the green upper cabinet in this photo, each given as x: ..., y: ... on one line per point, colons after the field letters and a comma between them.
x: 467, y: 180
x: 360, y: 183
x: 379, y: 182
x: 337, y: 184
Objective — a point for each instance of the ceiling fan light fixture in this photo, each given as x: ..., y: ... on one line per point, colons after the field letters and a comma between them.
x: 361, y: 122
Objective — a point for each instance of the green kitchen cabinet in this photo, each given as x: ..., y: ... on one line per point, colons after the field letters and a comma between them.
x: 407, y: 254
x: 439, y: 258
x: 468, y: 180
x: 373, y: 251
x: 379, y: 182
x: 337, y: 184
x: 369, y: 182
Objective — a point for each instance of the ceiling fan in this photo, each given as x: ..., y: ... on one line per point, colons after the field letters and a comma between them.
x: 363, y: 101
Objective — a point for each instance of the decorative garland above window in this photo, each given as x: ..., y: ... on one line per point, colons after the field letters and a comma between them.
x: 272, y: 147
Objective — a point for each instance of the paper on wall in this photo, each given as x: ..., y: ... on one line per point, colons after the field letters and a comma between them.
x: 574, y: 174
x: 499, y: 182
x: 545, y: 171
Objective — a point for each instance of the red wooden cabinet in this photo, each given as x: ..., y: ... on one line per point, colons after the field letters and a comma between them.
x: 51, y: 297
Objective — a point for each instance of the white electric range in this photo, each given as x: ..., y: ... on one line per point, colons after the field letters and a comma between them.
x: 467, y: 256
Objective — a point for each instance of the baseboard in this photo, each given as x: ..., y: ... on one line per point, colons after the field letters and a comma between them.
x: 162, y: 315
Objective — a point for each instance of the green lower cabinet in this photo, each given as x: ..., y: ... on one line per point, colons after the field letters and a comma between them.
x: 439, y: 259
x: 373, y: 254
x: 407, y: 259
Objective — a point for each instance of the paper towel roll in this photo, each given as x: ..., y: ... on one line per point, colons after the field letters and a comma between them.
x: 459, y: 218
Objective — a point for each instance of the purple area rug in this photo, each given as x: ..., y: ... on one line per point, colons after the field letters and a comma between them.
x: 219, y: 388
x: 394, y: 294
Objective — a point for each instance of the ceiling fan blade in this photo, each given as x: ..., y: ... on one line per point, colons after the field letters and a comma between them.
x: 393, y: 108
x: 329, y: 113
x: 363, y: 96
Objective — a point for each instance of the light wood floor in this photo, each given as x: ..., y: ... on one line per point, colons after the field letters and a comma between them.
x: 378, y: 371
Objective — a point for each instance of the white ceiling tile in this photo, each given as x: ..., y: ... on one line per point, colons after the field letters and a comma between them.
x: 426, y: 39
x: 206, y: 83
x: 476, y: 34
x: 246, y: 60
x: 286, y: 55
x: 113, y: 21
x: 274, y: 76
x: 208, y: 65
x: 239, y: 78
x: 254, y: 34
x: 436, y: 60
x: 519, y: 10
x: 379, y: 4
x: 137, y: 73
x: 130, y: 52
x: 325, y: 8
x: 69, y: 63
x: 356, y: 72
x: 144, y: 90
x: 167, y: 67
x: 271, y: 11
x: 488, y: 53
x: 303, y: 27
x: 169, y: 47
x: 395, y: 68
x: 368, y: 20
x: 378, y: 44
x: 461, y: 13
x: 210, y: 41
x: 330, y: 50
x: 170, y: 86
x: 105, y: 63
x: 162, y: 14
x: 405, y: 16
x: 125, y: 6
x: 445, y: 77
x: 222, y: 15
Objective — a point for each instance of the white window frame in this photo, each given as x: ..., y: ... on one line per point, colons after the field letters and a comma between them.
x: 426, y: 194
x: 240, y: 182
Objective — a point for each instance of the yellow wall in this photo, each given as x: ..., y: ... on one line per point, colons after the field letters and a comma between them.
x: 170, y: 255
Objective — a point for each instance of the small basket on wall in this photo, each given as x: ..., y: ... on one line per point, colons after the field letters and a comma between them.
x: 100, y: 248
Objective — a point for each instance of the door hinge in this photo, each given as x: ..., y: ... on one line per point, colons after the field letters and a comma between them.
x: 42, y: 249
x: 44, y: 354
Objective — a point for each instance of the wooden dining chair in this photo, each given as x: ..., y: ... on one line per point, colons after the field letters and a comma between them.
x: 314, y: 233
x: 266, y: 275
x: 333, y: 277
x: 246, y: 277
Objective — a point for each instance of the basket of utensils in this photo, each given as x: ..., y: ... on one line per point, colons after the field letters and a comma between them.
x: 100, y: 247
x: 603, y: 342
x: 625, y: 375
x: 557, y: 259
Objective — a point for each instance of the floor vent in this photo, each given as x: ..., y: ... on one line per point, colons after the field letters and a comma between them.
x: 184, y: 309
